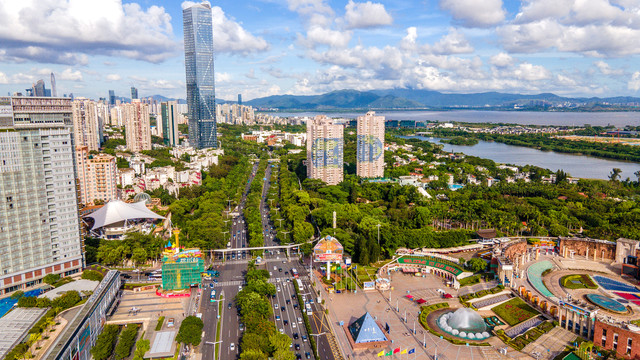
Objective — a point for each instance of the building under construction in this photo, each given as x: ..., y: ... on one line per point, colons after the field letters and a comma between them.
x: 181, y: 268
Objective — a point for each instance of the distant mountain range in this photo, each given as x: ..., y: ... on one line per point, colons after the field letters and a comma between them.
x: 421, y: 99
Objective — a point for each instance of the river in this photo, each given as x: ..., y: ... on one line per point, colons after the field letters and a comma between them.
x: 576, y: 165
x: 543, y: 118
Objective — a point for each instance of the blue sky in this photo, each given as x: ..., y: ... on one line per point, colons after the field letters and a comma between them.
x: 270, y: 47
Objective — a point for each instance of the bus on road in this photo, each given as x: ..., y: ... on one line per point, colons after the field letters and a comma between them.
x: 294, y: 272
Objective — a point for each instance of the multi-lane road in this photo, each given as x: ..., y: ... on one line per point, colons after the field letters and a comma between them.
x: 231, y: 276
x: 288, y: 316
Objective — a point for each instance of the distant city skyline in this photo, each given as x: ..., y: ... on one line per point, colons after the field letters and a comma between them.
x: 275, y: 47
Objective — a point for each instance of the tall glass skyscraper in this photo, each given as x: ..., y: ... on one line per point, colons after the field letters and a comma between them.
x: 198, y: 56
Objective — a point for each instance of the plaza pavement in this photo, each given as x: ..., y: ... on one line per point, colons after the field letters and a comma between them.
x: 349, y: 306
x: 549, y: 345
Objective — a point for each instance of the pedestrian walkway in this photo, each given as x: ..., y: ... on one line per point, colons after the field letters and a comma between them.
x: 523, y: 327
x: 228, y: 283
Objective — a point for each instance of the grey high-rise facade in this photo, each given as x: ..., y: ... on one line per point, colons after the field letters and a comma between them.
x: 198, y: 55
x: 54, y: 91
x: 39, y: 228
x: 134, y: 93
x: 112, y: 98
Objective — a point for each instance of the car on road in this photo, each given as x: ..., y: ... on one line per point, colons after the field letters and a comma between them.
x: 304, y: 337
x: 281, y: 331
x: 295, y: 336
x: 171, y: 322
x: 241, y: 327
x: 297, y: 346
x: 232, y: 347
x: 275, y: 306
x: 277, y: 317
x: 298, y: 357
x: 300, y: 320
x: 286, y: 322
x: 307, y: 355
x: 229, y: 307
x: 239, y: 287
x: 280, y: 269
x: 211, y: 285
x: 282, y: 308
x: 288, y: 302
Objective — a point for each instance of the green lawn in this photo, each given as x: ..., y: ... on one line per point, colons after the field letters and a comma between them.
x: 578, y: 281
x: 514, y: 311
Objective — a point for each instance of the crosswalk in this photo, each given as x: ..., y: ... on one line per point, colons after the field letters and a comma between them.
x: 228, y: 283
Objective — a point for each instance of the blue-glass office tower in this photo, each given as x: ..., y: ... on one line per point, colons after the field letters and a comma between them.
x: 198, y: 56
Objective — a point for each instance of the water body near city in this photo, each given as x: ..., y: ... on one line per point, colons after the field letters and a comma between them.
x: 576, y: 165
x: 541, y: 118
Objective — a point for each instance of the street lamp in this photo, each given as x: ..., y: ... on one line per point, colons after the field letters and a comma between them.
x: 378, y: 241
x: 317, y: 339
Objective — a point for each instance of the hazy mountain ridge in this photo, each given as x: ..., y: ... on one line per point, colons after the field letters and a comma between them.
x: 417, y: 99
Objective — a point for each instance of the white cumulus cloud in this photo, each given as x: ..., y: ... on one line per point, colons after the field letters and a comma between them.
x: 113, y: 77
x: 634, y: 82
x: 61, y: 31
x: 605, y: 69
x: 598, y: 28
x: 501, y: 60
x: 70, y: 75
x: 453, y: 43
x: 475, y: 13
x: 366, y: 15
x: 230, y: 37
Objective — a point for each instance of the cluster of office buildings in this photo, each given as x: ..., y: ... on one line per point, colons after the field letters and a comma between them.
x: 325, y: 148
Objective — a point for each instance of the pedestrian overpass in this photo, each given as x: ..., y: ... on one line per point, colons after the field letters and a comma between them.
x: 286, y: 248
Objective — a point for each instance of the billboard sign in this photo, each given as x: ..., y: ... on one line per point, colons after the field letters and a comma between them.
x: 328, y: 249
x: 327, y: 152
x: 369, y: 285
x: 328, y: 257
x: 430, y: 263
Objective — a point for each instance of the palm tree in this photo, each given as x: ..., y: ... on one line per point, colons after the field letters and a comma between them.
x: 615, y: 174
x: 637, y: 174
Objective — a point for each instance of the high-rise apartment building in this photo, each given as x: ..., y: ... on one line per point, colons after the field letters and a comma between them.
x: 39, y: 228
x: 370, y: 145
x: 97, y: 176
x: 134, y: 93
x: 137, y: 126
x: 115, y: 117
x: 170, y: 115
x: 325, y: 150
x: 86, y: 125
x: 198, y: 55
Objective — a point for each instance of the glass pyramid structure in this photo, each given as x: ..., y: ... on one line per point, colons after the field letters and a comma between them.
x: 365, y: 330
